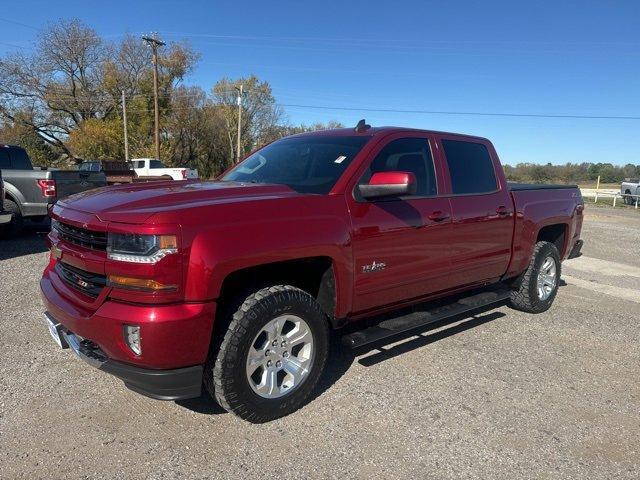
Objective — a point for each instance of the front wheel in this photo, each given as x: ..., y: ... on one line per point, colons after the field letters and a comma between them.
x: 272, y: 355
x: 538, y: 286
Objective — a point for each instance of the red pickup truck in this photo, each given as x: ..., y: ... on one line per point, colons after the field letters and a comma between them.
x: 236, y: 284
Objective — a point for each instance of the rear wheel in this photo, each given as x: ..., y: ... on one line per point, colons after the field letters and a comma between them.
x: 537, y: 288
x: 272, y: 355
x: 628, y: 199
x: 17, y: 221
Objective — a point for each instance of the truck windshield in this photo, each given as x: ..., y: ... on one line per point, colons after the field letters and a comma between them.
x: 309, y: 164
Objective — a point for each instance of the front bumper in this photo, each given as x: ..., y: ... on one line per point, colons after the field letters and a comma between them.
x: 174, y: 384
x: 175, y: 338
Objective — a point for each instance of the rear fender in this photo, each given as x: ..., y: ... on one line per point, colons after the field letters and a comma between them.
x: 13, y: 194
x: 533, y: 214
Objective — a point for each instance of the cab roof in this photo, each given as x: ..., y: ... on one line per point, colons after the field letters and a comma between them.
x: 380, y: 131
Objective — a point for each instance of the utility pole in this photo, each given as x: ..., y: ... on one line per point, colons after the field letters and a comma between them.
x: 240, y: 92
x: 124, y: 119
x: 154, y: 43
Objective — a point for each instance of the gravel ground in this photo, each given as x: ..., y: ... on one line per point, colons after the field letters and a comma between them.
x: 499, y: 395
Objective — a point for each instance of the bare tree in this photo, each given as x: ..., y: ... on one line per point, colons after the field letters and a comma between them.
x: 260, y: 113
x: 73, y: 76
x: 58, y: 86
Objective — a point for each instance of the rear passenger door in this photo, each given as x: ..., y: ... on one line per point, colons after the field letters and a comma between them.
x: 482, y: 210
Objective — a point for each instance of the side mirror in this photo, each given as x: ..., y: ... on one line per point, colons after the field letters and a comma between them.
x: 389, y: 184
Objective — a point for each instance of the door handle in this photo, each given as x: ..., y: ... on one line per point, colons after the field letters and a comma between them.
x: 438, y: 216
x: 503, y: 211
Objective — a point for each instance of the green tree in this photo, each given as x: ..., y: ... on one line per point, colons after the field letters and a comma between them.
x: 20, y: 133
x: 98, y: 140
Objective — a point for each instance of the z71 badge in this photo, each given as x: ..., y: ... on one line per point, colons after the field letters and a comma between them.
x: 374, y: 267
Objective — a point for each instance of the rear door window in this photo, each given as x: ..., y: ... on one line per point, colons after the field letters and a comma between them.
x: 20, y: 159
x: 470, y: 167
x: 5, y: 161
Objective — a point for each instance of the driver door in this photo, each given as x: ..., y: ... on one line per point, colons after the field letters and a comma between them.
x: 401, y: 244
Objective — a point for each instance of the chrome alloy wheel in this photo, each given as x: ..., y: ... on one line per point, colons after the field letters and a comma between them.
x: 546, y: 282
x: 280, y: 356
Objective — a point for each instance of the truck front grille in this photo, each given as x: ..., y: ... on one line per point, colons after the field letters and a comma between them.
x: 86, y: 282
x: 81, y: 236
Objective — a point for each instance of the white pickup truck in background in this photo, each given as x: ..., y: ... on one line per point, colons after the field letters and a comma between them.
x: 630, y: 190
x: 151, y: 167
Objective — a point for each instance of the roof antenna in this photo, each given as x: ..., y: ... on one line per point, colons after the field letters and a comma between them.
x: 362, y: 126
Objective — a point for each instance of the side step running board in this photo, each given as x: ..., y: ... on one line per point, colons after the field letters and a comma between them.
x: 416, y: 319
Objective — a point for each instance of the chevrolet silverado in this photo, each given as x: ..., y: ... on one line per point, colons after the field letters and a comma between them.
x: 236, y: 284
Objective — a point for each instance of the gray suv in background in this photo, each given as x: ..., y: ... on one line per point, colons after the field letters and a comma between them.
x: 630, y: 189
x: 28, y: 190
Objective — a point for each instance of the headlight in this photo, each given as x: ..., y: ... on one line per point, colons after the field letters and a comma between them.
x: 137, y: 248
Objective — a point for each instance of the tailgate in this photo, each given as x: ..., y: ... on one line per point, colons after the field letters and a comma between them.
x: 70, y: 182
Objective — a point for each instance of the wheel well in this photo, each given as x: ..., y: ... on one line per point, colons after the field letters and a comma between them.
x: 314, y: 275
x: 8, y: 196
x: 554, y: 234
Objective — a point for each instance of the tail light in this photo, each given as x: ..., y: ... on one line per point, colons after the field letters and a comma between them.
x: 47, y: 187
x: 184, y: 173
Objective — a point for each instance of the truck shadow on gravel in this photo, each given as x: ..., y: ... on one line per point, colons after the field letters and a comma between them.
x: 31, y: 240
x: 457, y: 324
x: 423, y: 337
x: 341, y: 358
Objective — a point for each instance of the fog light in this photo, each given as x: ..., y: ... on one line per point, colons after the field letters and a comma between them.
x: 132, y: 337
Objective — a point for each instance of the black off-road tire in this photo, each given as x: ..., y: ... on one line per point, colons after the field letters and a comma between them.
x: 16, y: 225
x: 525, y: 297
x: 628, y: 199
x: 225, y: 371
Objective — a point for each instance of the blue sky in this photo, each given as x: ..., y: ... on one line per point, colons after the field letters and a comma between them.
x: 544, y: 57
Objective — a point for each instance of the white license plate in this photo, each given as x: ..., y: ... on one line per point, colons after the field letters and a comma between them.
x: 53, y: 331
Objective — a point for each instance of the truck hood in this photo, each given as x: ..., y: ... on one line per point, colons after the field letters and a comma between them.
x: 138, y: 203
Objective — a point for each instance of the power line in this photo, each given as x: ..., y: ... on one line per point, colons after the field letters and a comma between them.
x: 19, y: 23
x: 12, y: 45
x: 436, y: 112
x: 207, y: 98
x: 487, y: 114
x: 387, y: 41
